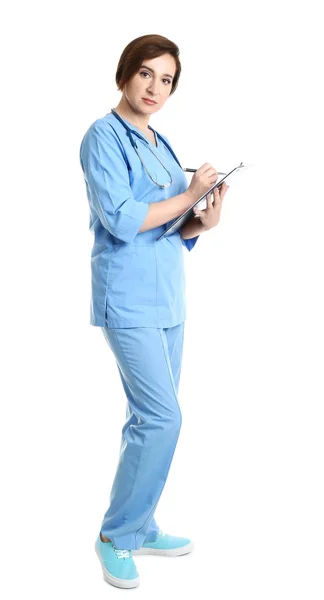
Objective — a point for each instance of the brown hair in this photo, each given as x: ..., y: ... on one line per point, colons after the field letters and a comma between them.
x: 147, y: 46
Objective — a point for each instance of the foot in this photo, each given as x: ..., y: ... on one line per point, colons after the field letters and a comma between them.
x: 166, y: 545
x: 118, y: 565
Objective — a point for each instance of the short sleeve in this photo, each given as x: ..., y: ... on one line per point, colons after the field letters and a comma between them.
x: 106, y: 173
x: 189, y: 243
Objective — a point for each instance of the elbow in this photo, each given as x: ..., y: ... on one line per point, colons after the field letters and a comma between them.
x: 125, y: 222
x: 124, y: 234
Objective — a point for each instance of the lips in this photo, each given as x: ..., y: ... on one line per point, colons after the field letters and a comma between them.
x: 149, y: 101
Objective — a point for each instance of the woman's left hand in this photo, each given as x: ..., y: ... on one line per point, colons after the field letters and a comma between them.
x: 211, y: 214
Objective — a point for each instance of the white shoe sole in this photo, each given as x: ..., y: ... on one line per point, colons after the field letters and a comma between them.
x: 172, y: 552
x: 121, y: 583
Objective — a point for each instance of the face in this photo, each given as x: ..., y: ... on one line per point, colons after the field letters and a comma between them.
x: 153, y: 80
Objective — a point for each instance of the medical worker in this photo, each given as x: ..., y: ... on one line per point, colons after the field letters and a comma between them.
x: 136, y: 187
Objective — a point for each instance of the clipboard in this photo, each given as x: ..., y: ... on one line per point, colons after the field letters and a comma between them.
x: 180, y: 221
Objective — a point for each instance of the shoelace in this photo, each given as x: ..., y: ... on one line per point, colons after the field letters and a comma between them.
x: 122, y: 553
x: 161, y: 532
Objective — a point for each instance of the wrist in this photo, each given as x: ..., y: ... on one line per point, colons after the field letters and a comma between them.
x: 190, y: 197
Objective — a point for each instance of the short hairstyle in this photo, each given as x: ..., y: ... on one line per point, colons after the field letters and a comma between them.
x: 145, y: 47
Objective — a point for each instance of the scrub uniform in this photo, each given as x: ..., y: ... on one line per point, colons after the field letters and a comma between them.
x: 136, y: 280
x: 138, y: 300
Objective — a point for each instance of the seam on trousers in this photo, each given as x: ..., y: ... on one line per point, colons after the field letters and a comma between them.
x: 182, y: 336
x: 175, y: 445
x: 182, y: 342
x: 166, y: 355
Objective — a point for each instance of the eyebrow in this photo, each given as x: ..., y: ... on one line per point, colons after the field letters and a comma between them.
x: 152, y: 70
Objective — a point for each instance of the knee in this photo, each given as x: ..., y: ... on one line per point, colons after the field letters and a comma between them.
x: 173, y: 420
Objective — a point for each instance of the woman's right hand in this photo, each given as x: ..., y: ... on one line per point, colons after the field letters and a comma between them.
x: 202, y: 180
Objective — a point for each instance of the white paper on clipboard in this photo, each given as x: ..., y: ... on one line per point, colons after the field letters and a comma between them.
x: 230, y: 178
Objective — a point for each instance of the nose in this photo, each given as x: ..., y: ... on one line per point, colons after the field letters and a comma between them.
x: 154, y: 90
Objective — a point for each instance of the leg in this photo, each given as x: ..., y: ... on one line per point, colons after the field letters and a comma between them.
x: 174, y: 340
x: 131, y: 419
x: 149, y: 436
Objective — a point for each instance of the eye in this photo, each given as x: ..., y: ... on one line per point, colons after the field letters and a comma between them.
x: 146, y: 73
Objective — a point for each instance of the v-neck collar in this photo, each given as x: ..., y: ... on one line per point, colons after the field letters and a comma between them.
x: 142, y: 134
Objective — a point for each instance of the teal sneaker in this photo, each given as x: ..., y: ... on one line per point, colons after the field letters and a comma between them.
x: 166, y: 545
x: 118, y: 566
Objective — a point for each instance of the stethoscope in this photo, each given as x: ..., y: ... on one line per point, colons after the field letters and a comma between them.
x: 132, y: 141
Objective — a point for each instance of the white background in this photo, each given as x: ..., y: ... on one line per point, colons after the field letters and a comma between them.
x: 246, y: 482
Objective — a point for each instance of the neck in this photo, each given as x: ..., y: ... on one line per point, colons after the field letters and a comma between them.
x: 135, y: 118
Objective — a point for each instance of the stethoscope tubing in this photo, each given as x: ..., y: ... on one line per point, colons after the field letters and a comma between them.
x: 131, y: 131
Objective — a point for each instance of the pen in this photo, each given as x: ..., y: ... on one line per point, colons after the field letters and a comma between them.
x: 194, y: 170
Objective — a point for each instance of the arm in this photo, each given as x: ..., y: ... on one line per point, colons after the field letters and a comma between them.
x: 190, y: 232
x: 111, y: 196
x: 166, y: 210
x: 192, y: 228
x: 107, y: 180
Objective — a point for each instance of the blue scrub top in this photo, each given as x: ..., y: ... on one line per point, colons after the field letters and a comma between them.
x: 136, y: 281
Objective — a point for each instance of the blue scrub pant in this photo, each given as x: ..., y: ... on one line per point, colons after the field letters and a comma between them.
x: 149, y: 364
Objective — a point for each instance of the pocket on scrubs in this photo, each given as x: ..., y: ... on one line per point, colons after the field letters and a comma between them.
x: 132, y: 275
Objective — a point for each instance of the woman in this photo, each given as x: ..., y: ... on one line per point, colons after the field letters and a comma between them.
x: 135, y: 190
